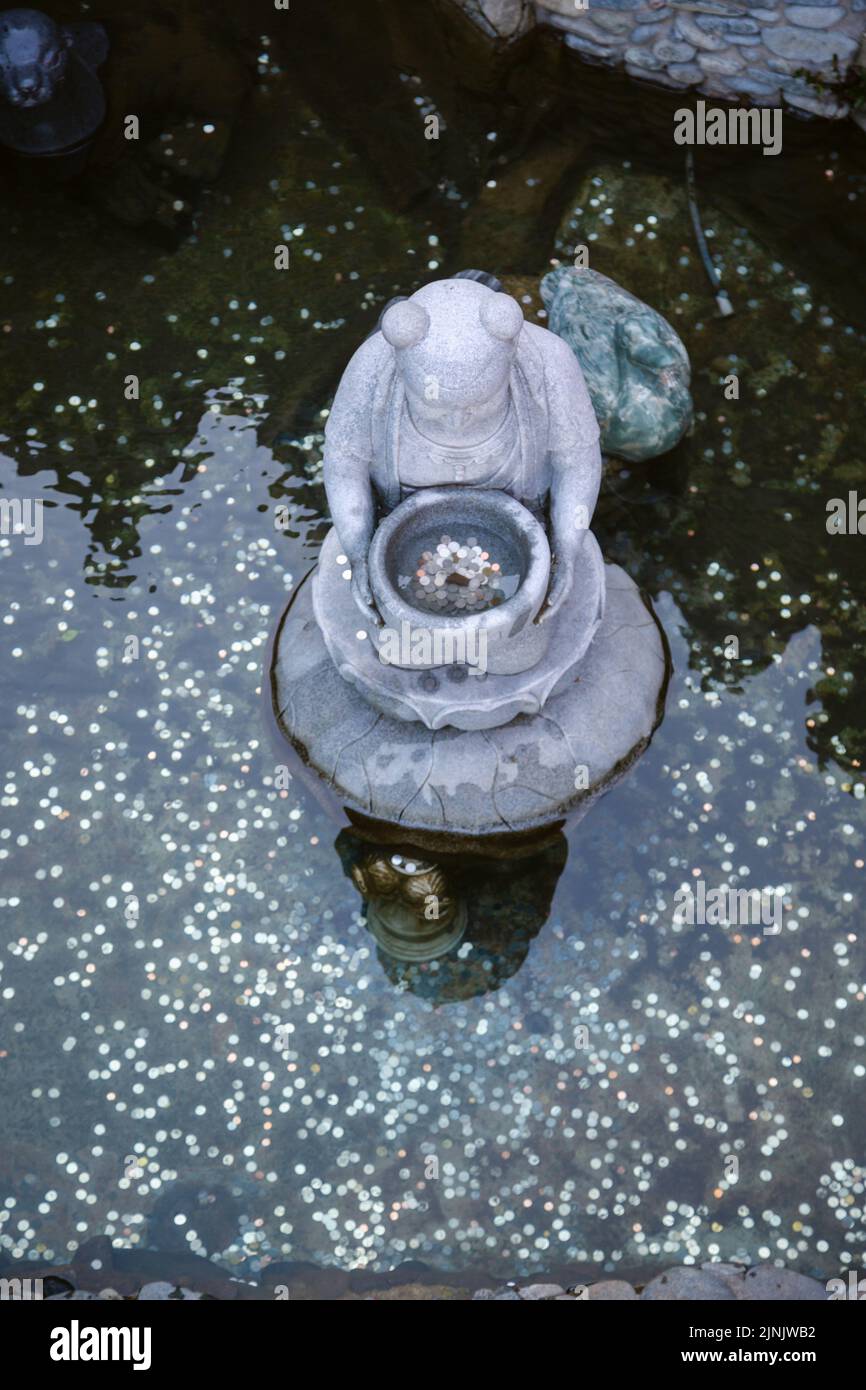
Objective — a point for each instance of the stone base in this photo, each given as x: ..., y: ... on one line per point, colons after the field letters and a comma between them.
x: 452, y: 783
x: 451, y: 695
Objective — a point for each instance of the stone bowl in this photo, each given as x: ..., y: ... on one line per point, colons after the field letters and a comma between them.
x: 503, y: 639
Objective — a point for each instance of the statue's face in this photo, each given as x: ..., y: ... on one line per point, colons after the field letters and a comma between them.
x: 457, y: 390
x: 33, y: 57
x: 455, y: 342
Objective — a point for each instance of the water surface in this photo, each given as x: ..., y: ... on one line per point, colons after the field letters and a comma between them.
x: 203, y: 1052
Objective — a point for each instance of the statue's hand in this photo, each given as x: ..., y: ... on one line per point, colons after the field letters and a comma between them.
x: 361, y: 591
x: 559, y: 589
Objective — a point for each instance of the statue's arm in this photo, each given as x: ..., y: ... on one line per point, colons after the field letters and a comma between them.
x: 575, y: 458
x: 573, y: 445
x: 348, y: 458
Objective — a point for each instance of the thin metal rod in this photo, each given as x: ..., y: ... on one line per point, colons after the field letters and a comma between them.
x: 722, y: 300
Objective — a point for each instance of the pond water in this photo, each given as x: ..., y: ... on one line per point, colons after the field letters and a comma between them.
x: 203, y: 1050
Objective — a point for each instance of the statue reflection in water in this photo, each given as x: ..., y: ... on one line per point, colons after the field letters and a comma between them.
x: 454, y: 927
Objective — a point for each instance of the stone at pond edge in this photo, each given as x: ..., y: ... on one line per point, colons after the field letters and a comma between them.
x: 686, y: 1284
x: 417, y: 1293
x: 162, y: 1292
x: 808, y: 46
x: 814, y: 16
x: 724, y: 1282
x: 770, y: 1284
x: 611, y: 1291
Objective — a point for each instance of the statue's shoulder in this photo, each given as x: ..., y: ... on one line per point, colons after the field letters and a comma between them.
x: 545, y: 357
x: 368, y: 361
x: 547, y: 346
x: 369, y: 370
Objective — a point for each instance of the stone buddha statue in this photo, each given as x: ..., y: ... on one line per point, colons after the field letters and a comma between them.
x: 457, y: 389
x: 461, y: 663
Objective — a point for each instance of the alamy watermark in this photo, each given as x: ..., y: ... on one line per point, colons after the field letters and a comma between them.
x: 434, y: 646
x: 22, y: 516
x: 852, y: 1291
x: 742, y: 907
x: 846, y: 516
x: 736, y: 125
x: 21, y: 1290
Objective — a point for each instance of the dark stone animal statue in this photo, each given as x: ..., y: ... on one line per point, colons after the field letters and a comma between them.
x: 51, y: 100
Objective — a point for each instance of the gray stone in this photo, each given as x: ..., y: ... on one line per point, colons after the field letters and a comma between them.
x: 611, y: 1291
x: 730, y: 1274
x: 672, y: 52
x: 759, y: 90
x: 536, y: 1292
x: 787, y: 68
x: 815, y: 16
x: 664, y: 78
x: 643, y: 59
x: 686, y: 28
x: 716, y: 85
x: 766, y: 1282
x: 642, y: 33
x: 160, y: 1291
x: 764, y: 76
x: 827, y: 107
x: 725, y: 64
x: 613, y: 21
x: 694, y: 1285
x: 506, y: 18
x: 635, y: 366
x: 563, y: 10
x: 744, y: 40
x: 685, y: 74
x: 800, y: 44
x: 721, y: 24
x: 584, y: 45
x: 583, y: 25
x: 766, y: 16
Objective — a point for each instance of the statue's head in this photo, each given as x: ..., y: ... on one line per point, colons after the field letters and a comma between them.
x: 33, y: 55
x: 454, y: 342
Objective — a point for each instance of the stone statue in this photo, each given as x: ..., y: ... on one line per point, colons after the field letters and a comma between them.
x: 52, y: 101
x: 635, y: 366
x: 458, y: 389
x: 462, y: 664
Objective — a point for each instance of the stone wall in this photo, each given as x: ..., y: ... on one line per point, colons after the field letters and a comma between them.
x: 753, y: 51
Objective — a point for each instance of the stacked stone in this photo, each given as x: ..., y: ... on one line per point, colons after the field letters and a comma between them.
x: 748, y: 51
